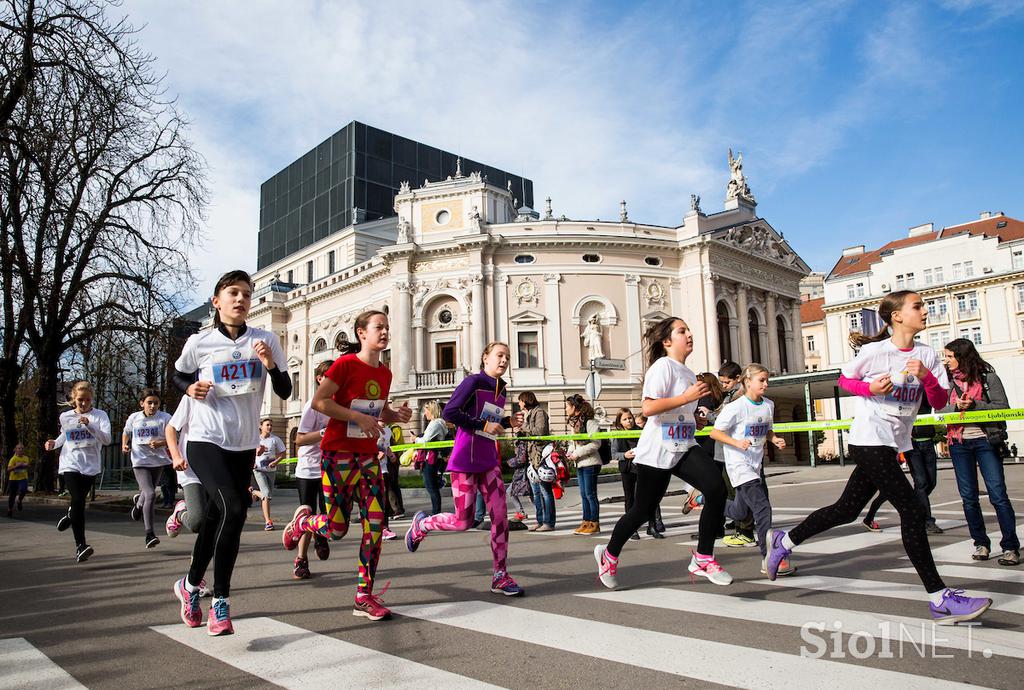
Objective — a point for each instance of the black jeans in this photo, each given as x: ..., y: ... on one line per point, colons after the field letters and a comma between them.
x: 78, y: 485
x: 878, y: 469
x: 923, y: 465
x: 696, y: 468
x: 225, y: 475
x: 431, y: 482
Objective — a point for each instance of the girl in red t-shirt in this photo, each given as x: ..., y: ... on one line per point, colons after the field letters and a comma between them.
x: 354, y: 395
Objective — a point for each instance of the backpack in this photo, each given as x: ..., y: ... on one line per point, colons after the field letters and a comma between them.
x: 605, y: 451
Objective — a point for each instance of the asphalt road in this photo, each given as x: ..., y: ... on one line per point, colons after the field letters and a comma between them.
x: 113, y: 621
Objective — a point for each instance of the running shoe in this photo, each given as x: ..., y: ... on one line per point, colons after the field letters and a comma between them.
x: 932, y: 528
x: 519, y: 516
x: 290, y: 536
x: 387, y: 535
x: 191, y: 613
x: 136, y: 512
x: 415, y: 535
x: 980, y: 552
x: 710, y: 569
x: 545, y: 528
x: 957, y: 608
x: 606, y: 566
x: 269, y: 527
x: 83, y: 552
x: 370, y: 606
x: 301, y: 569
x: 398, y: 516
x: 784, y: 567
x: 218, y: 622
x: 739, y: 540
x: 872, y: 526
x: 151, y: 540
x: 694, y: 500
x: 64, y: 522
x: 502, y: 583
x: 1009, y: 557
x: 173, y: 524
x: 777, y: 553
x: 322, y: 547
x: 204, y: 591
x: 654, y: 534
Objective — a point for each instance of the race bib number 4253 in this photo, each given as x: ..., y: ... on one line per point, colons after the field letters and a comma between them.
x: 79, y: 438
x: 237, y: 378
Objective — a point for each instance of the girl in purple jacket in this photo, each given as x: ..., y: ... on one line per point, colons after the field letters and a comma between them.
x: 476, y: 408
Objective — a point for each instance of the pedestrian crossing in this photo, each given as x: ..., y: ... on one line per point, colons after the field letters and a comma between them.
x: 961, y: 551
x: 25, y: 667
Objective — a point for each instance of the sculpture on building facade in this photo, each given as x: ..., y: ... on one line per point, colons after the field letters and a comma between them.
x: 738, y: 186
x: 695, y: 203
x: 403, y: 231
x: 592, y: 338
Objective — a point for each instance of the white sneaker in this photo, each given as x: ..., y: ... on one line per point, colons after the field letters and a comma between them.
x: 709, y: 569
x: 606, y: 567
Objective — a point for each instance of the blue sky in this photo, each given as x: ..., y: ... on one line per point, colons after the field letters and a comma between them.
x: 856, y: 120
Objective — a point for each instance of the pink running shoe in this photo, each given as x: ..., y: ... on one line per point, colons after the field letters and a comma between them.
x: 370, y: 606
x: 388, y: 535
x: 173, y: 524
x: 191, y: 613
x: 710, y: 569
x: 290, y: 536
x: 606, y: 566
x: 218, y: 622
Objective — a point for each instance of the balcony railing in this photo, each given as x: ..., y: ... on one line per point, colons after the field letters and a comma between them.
x: 937, y: 319
x: 439, y: 378
x: 967, y: 314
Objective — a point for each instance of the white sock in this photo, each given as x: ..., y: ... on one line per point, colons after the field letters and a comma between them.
x: 936, y: 597
x: 787, y: 542
x: 189, y: 587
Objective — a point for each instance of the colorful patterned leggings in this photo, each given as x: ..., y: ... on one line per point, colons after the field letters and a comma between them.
x: 464, y: 488
x: 343, y: 474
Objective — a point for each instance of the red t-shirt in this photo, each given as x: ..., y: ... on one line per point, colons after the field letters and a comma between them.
x: 362, y: 388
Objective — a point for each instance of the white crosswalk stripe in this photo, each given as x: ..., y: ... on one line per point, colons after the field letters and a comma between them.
x: 24, y: 667
x: 296, y: 658
x: 977, y: 572
x: 713, y: 662
x: 894, y: 590
x: 961, y: 551
x: 864, y: 539
x: 902, y: 629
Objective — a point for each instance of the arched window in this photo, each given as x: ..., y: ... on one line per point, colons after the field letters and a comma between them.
x: 340, y: 341
x: 753, y: 326
x: 724, y: 334
x: 780, y: 329
x: 319, y: 346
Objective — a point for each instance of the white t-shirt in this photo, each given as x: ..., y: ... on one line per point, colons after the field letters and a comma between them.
x: 668, y: 435
x: 272, y: 447
x: 179, y: 420
x: 744, y: 419
x: 308, y: 464
x: 229, y: 415
x: 141, y: 430
x: 79, y: 444
x: 886, y: 420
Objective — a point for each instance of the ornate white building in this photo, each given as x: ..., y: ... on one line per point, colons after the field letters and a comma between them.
x: 461, y: 265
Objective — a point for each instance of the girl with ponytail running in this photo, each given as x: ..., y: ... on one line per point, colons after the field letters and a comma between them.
x: 890, y: 374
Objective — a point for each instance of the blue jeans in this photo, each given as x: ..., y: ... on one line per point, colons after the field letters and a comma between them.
x: 968, y: 457
x: 433, y: 487
x: 544, y: 503
x: 481, y: 508
x: 587, y: 478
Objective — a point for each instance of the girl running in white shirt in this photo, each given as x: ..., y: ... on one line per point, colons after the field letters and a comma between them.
x: 269, y: 452
x: 144, y: 439
x: 84, y: 431
x: 224, y: 371
x: 890, y: 374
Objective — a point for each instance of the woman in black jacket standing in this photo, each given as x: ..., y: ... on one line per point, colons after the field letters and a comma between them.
x: 622, y: 452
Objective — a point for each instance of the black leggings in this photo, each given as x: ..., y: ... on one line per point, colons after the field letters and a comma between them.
x: 878, y: 469
x: 696, y: 468
x: 311, y: 493
x: 628, y: 477
x: 78, y: 485
x: 225, y: 475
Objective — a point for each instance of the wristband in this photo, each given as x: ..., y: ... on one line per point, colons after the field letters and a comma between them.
x: 322, y: 432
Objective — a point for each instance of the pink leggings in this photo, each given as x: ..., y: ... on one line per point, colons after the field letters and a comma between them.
x: 464, y: 488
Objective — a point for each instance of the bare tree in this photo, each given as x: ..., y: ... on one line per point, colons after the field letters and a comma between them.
x: 101, y: 184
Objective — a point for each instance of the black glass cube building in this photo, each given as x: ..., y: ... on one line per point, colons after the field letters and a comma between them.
x: 354, y: 176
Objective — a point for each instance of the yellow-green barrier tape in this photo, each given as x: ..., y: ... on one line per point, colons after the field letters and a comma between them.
x: 979, y: 416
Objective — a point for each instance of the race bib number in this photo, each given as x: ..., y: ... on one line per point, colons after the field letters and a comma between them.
x: 148, y: 431
x: 79, y: 438
x: 490, y: 413
x: 678, y: 434
x: 757, y: 433
x: 237, y: 376
x: 370, y: 407
x: 903, y: 400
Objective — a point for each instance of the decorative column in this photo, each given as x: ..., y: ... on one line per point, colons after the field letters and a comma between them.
x: 478, y: 332
x: 404, y: 321
x: 713, y: 349
x: 420, y: 337
x: 499, y: 280
x: 553, y: 338
x: 490, y: 327
x: 774, y: 363
x: 744, y: 329
x: 634, y: 328
x: 796, y: 353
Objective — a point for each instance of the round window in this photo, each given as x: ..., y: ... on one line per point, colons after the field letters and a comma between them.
x: 445, y: 317
x: 652, y: 260
x: 591, y: 258
x: 524, y: 259
x: 442, y: 217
